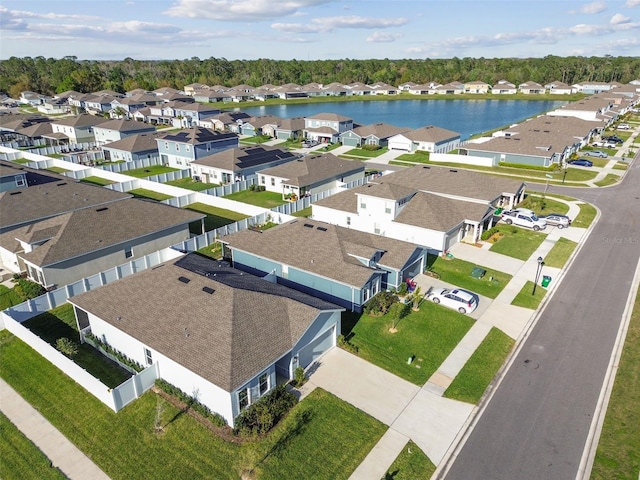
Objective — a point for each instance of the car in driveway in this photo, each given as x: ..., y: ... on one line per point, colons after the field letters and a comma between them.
x: 557, y: 219
x: 582, y: 162
x: 523, y: 218
x: 459, y: 299
x: 605, y: 144
x: 624, y: 126
x: 310, y: 143
x: 597, y: 154
x: 613, y: 139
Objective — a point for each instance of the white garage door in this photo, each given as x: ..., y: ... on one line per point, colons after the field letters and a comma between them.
x: 313, y: 350
x: 400, y: 145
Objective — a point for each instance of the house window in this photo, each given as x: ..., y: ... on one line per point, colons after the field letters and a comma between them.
x: 20, y: 182
x: 148, y: 358
x: 166, y: 145
x: 273, y: 182
x: 387, y: 209
x: 262, y: 179
x: 366, y: 294
x: 177, y: 147
x: 128, y: 252
x: 363, y: 205
x: 376, y: 228
x: 348, y: 220
x: 208, y: 147
x: 187, y: 148
x: 243, y: 398
x: 264, y: 383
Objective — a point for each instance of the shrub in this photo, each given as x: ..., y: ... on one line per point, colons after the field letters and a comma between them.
x: 298, y: 377
x: 345, y: 344
x: 252, y: 187
x: 488, y: 233
x: 259, y: 417
x: 403, y: 289
x: 371, y: 148
x: 380, y: 303
x: 121, y: 358
x: 191, y: 402
x: 27, y: 289
x: 67, y: 347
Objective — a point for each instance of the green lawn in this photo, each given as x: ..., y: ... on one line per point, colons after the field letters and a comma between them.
x: 361, y: 152
x: 458, y: 272
x: 597, y: 161
x: 191, y: 184
x: 411, y: 464
x: 257, y: 139
x: 145, y: 193
x: 476, y: 375
x: 543, y: 206
x: 117, y: 442
x: 57, y: 169
x: 518, y: 242
x: 20, y: 458
x: 610, y: 179
x: 97, y: 180
x: 618, y: 453
x: 335, y: 441
x: 587, y: 214
x: 212, y: 251
x: 416, y: 157
x: 560, y: 253
x: 9, y: 297
x: 261, y: 199
x: 216, y: 217
x: 429, y: 335
x: 148, y: 171
x: 621, y: 166
x: 60, y: 323
x: 525, y: 297
x: 305, y: 212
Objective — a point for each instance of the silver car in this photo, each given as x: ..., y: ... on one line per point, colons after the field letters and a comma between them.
x: 462, y: 300
x: 558, y: 220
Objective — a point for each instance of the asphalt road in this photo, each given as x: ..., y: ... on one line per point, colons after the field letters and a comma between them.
x: 536, y: 424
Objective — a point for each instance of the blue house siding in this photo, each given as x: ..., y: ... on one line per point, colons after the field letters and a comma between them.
x: 214, y: 147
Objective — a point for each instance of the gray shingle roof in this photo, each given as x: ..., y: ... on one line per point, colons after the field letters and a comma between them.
x: 80, y: 121
x: 92, y: 229
x: 431, y: 133
x: 235, y: 159
x: 313, y: 169
x: 197, y: 136
x: 323, y: 249
x: 227, y: 336
x: 143, y: 142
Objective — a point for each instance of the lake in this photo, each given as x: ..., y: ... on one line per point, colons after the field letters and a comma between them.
x: 467, y: 117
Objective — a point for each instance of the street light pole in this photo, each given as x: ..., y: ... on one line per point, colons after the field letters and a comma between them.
x: 538, y: 271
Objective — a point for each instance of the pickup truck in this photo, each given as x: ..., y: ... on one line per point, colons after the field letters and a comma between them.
x: 523, y: 219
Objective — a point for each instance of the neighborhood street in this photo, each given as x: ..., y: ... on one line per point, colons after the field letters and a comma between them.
x: 537, y: 423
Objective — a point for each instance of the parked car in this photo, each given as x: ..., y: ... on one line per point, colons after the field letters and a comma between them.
x: 557, y: 219
x: 462, y: 300
x: 605, y: 144
x: 598, y: 154
x: 624, y: 126
x: 613, y: 138
x: 582, y: 162
x: 523, y: 219
x: 310, y: 143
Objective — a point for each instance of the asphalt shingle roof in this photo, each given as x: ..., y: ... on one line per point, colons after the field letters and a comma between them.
x: 312, y: 169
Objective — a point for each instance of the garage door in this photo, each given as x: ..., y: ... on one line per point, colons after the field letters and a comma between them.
x: 313, y: 350
x: 400, y: 145
x: 350, y: 142
x: 413, y: 270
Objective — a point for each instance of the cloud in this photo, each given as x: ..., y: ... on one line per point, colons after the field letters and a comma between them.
x: 329, y: 24
x: 17, y: 14
x: 591, y: 8
x: 383, y: 37
x: 619, y: 19
x: 632, y: 3
x: 240, y: 10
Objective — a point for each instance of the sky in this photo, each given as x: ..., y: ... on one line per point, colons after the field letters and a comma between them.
x: 317, y: 29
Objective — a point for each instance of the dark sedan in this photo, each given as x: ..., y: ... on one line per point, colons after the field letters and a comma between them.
x: 581, y: 162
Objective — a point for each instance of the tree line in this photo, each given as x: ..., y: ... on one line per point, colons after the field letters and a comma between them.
x: 50, y: 75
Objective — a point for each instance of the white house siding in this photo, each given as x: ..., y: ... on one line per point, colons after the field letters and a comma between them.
x: 217, y: 399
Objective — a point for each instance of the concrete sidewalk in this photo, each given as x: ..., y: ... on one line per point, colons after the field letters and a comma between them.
x: 62, y: 453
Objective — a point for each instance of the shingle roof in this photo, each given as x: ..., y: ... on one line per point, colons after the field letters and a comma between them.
x: 197, y: 136
x: 142, y: 142
x: 380, y: 130
x: 312, y: 169
x: 20, y: 207
x: 238, y: 158
x: 226, y: 337
x: 334, y: 117
x: 123, y: 125
x: 323, y: 249
x: 92, y: 229
x: 80, y: 121
x: 431, y: 133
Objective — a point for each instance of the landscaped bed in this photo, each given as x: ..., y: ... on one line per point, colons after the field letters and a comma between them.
x: 427, y: 336
x: 476, y: 375
x: 329, y: 444
x: 458, y: 272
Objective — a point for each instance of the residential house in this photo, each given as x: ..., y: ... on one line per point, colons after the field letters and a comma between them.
x: 142, y: 146
x: 117, y: 129
x: 179, y: 149
x: 504, y: 87
x: 24, y: 129
x: 338, y: 264
x: 592, y: 88
x: 406, y: 86
x: 453, y: 88
x: 326, y: 127
x: 211, y: 96
x: 239, y: 163
x: 531, y: 88
x: 192, y: 114
x: 290, y: 128
x: 289, y: 90
x: 194, y: 88
x: 335, y: 89
x: 49, y: 195
x: 310, y: 174
x: 260, y: 334
x: 558, y: 88
x: 226, y: 121
x: 97, y: 104
x: 376, y: 134
x: 359, y: 88
x: 12, y: 178
x: 426, y: 205
x: 262, y: 125
x: 54, y: 106
x: 381, y: 88
x: 477, y: 86
x: 594, y: 108
x: 426, y: 139
x: 78, y: 129
x: 31, y: 98
x: 68, y: 247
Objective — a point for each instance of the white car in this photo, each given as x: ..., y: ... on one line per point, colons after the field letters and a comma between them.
x: 624, y: 126
x: 462, y: 300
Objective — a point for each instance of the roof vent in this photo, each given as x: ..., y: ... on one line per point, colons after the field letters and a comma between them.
x: 322, y: 229
x: 308, y: 225
x: 15, y: 193
x: 61, y: 184
x: 184, y: 279
x: 102, y: 209
x: 453, y: 171
x: 426, y: 167
x: 208, y: 290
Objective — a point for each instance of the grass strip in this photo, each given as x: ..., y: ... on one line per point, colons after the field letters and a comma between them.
x: 527, y: 299
x: 411, y: 464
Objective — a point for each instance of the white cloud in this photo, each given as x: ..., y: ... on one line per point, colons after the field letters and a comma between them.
x: 16, y: 14
x: 591, y: 8
x: 632, y: 3
x: 619, y: 19
x: 383, y: 37
x: 239, y: 10
x: 328, y: 24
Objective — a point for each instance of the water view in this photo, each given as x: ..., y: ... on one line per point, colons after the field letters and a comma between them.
x: 468, y: 117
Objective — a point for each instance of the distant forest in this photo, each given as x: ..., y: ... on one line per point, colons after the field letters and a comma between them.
x: 50, y: 75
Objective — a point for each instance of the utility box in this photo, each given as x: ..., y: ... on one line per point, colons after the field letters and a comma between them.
x: 546, y: 280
